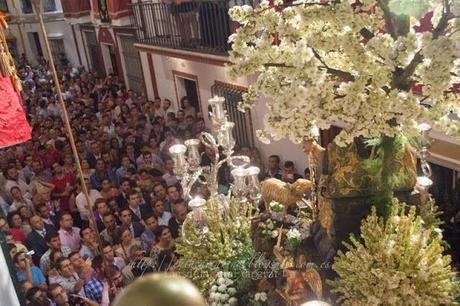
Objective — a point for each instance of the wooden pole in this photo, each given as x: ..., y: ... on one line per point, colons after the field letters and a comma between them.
x: 38, y: 5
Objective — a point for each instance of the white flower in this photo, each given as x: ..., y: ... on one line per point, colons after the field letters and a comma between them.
x: 220, y: 274
x: 293, y: 233
x: 224, y: 297
x: 233, y: 301
x: 229, y: 282
x: 214, y: 288
x: 274, y: 234
x: 222, y: 288
x: 228, y: 274
x: 220, y: 281
x: 263, y: 296
x: 231, y: 291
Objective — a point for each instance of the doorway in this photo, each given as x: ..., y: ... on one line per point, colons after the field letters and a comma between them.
x: 91, y: 43
x: 110, y: 60
x: 35, y: 44
x: 187, y: 86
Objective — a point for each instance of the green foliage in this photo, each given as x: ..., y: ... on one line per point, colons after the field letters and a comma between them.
x: 381, y: 167
x: 397, y: 261
x: 429, y: 212
x: 226, y: 246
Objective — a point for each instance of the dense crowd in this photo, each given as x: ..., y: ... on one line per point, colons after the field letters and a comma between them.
x: 122, y: 140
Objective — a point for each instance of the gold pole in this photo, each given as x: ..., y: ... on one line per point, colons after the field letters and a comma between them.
x: 37, y: 6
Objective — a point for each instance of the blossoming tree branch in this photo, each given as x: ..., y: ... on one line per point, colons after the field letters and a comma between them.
x: 350, y: 62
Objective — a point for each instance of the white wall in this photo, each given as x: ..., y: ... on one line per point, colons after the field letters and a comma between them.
x: 7, y: 293
x: 81, y: 47
x: 146, y: 74
x: 59, y: 27
x: 207, y: 74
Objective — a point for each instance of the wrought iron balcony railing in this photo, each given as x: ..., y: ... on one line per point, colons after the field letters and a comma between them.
x: 199, y: 25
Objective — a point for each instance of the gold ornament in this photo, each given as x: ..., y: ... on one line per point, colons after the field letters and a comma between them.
x: 7, y: 67
x: 160, y: 289
x: 285, y: 193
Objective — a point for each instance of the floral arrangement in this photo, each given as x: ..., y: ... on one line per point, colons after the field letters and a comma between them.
x: 397, y: 260
x: 293, y: 238
x: 259, y: 299
x: 268, y: 228
x: 352, y: 62
x: 225, y: 246
x: 276, y: 207
x: 223, y: 293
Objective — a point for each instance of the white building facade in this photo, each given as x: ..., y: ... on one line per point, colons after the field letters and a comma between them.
x: 24, y: 35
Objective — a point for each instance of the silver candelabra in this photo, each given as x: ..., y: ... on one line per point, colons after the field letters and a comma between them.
x: 187, y: 158
x: 187, y: 167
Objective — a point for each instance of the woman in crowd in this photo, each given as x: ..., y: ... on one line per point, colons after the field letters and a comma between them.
x: 126, y: 242
x: 15, y: 223
x: 87, y: 171
x: 108, y: 191
x: 164, y: 243
x: 189, y: 109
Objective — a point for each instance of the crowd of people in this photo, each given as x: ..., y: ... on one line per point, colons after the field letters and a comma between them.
x: 122, y: 140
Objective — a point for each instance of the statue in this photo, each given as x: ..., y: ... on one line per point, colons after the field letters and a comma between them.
x: 300, y: 277
x: 315, y: 155
x: 285, y: 193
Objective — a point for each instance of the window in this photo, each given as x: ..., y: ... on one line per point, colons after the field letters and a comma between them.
x: 34, y: 39
x: 57, y: 49
x: 3, y: 6
x: 49, y: 6
x: 27, y: 7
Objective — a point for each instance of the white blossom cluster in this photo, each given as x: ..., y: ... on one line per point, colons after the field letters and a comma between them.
x: 318, y: 68
x: 260, y: 297
x: 276, y: 206
x: 223, y: 292
x: 293, y: 234
x: 268, y: 228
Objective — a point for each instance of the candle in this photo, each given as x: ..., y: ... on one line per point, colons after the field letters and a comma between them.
x: 178, y: 154
x: 225, y: 136
x: 217, y: 106
x: 239, y: 175
x: 194, y: 157
x: 253, y: 181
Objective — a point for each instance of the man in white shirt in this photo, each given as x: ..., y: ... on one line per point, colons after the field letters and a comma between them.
x: 12, y: 179
x: 159, y: 211
x: 81, y: 200
x: 169, y: 176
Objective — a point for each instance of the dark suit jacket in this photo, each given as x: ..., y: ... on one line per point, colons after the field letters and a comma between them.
x: 145, y: 210
x: 174, y: 227
x: 134, y: 217
x: 36, y: 242
x: 121, y: 201
x: 91, y: 158
x: 138, y: 229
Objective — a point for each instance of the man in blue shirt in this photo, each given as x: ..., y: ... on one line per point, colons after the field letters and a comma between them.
x: 26, y: 271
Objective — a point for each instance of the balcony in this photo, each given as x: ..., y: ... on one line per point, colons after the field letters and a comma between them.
x: 200, y: 26
x: 76, y: 8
